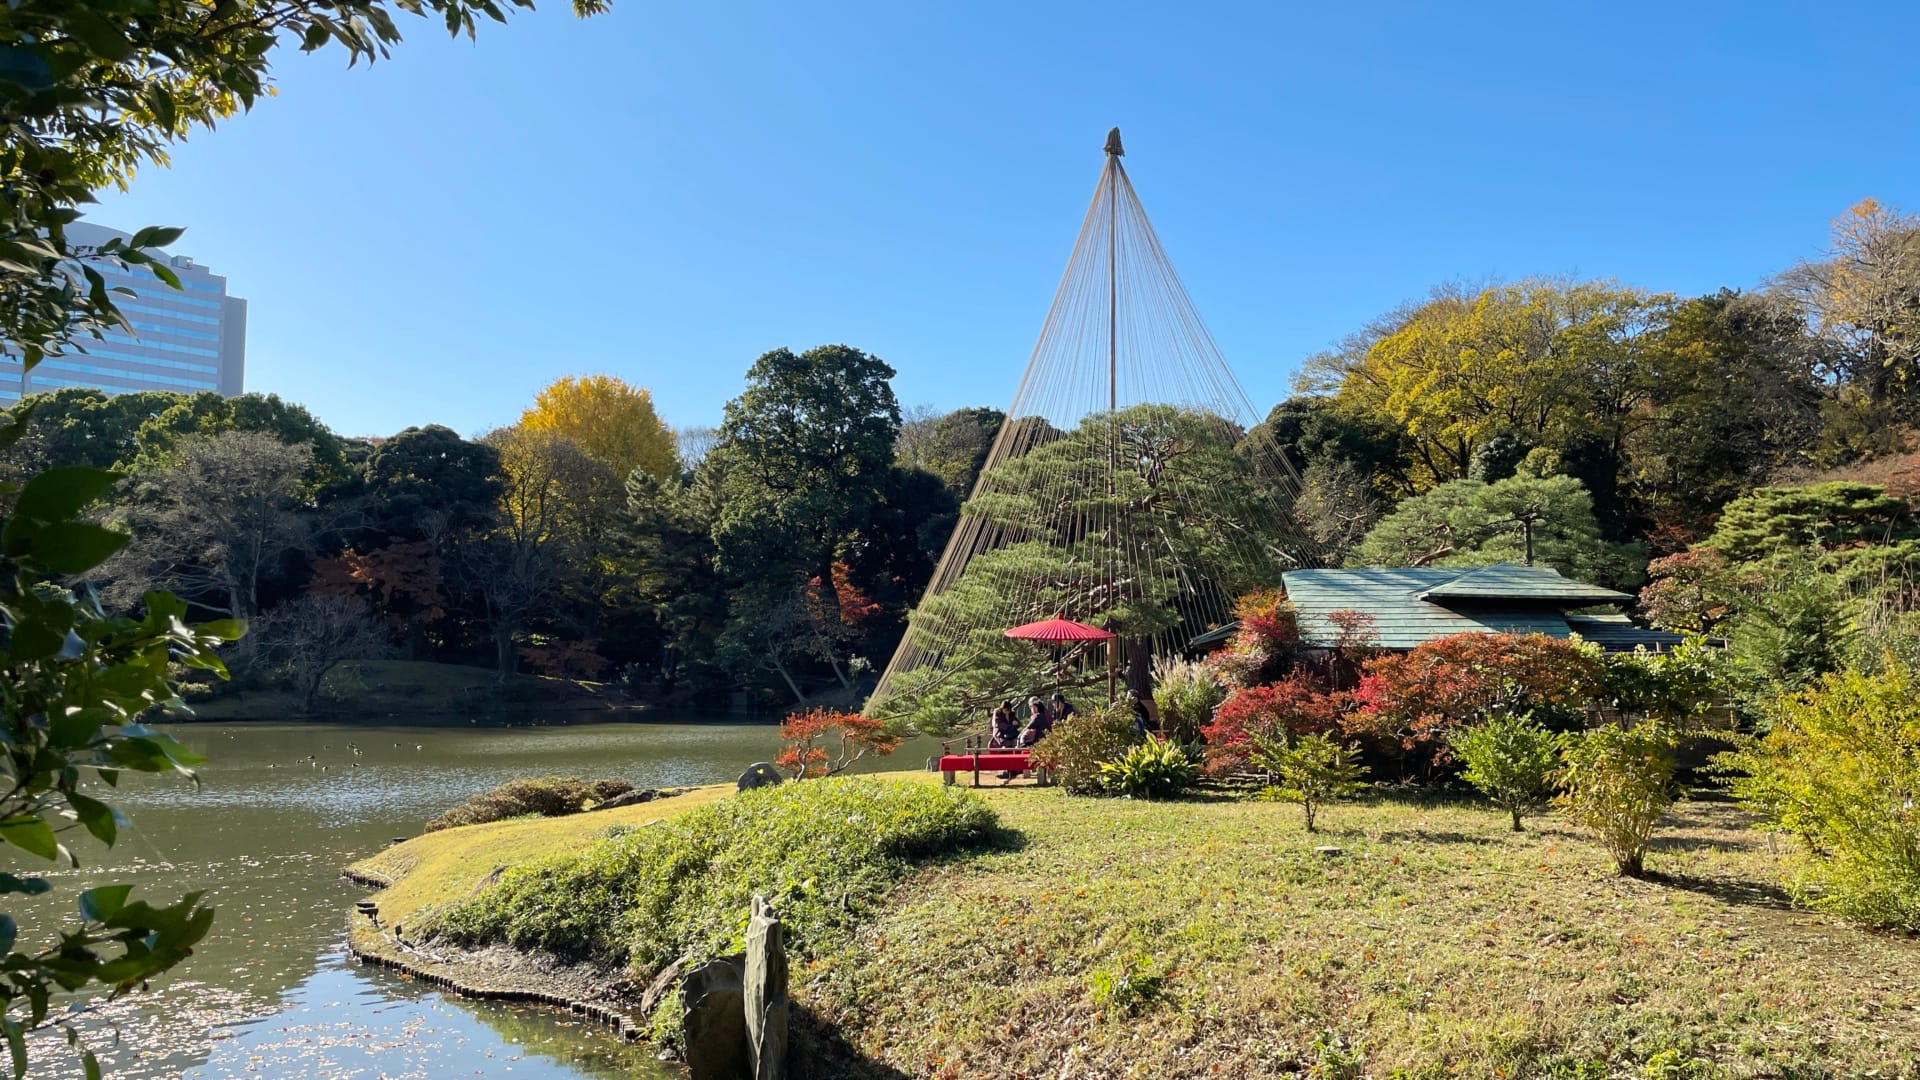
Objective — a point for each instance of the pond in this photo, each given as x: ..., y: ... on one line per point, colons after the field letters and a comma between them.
x: 281, y: 808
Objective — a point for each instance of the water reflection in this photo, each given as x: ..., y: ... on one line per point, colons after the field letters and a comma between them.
x: 281, y: 809
x: 345, y: 1023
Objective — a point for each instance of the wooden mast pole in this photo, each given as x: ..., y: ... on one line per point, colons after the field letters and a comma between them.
x: 1114, y: 153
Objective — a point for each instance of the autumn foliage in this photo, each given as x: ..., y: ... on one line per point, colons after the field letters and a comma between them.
x: 612, y: 420
x: 1262, y: 648
x: 1296, y: 705
x: 401, y: 579
x: 850, y: 606
x: 822, y: 742
x: 1417, y: 698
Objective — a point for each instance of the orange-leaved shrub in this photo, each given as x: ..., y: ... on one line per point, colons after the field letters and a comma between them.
x: 1263, y: 648
x: 822, y: 742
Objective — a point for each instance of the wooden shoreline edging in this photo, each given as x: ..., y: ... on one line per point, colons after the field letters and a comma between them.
x: 363, y: 926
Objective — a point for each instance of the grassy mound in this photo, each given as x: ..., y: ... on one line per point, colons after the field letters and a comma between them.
x: 547, y: 796
x: 433, y: 872
x: 1212, y: 939
x: 822, y: 851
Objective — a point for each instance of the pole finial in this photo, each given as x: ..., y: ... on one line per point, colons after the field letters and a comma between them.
x: 1114, y: 149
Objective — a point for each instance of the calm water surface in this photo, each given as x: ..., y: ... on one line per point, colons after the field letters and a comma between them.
x: 281, y: 808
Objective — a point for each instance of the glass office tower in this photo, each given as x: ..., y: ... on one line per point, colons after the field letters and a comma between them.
x: 188, y: 339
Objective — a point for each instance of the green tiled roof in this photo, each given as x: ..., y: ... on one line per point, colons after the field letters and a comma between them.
x: 1401, y: 619
x: 1505, y: 581
x: 1411, y: 605
x: 1616, y: 633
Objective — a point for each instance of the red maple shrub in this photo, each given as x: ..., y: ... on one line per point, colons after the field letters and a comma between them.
x: 1414, y: 700
x: 1296, y: 705
x: 821, y: 742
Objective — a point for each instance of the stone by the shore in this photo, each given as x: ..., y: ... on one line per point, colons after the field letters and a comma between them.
x: 713, y: 1026
x: 758, y: 775
x: 766, y: 992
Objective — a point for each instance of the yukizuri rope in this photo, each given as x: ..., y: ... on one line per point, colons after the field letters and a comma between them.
x: 1122, y: 332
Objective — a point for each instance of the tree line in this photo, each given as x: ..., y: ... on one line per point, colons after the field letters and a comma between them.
x: 587, y: 540
x: 1662, y: 408
x: 1587, y: 425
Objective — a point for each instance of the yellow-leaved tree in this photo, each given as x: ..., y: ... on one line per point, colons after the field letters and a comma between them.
x: 1540, y: 362
x: 610, y: 419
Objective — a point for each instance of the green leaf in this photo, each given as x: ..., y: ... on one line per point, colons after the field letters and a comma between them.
x: 9, y: 932
x: 25, y: 68
x: 31, y: 834
x: 75, y: 547
x: 98, y: 34
x: 162, y: 606
x: 224, y: 629
x: 16, y: 1044
x: 160, y: 100
x: 103, y: 903
x: 156, y: 236
x: 59, y: 493
x: 33, y: 640
x: 99, y: 818
x: 140, y: 755
x: 78, y: 729
x: 90, y: 1064
x: 31, y: 886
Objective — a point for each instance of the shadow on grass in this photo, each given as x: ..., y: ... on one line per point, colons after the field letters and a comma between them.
x: 1425, y: 797
x: 817, y: 1051
x: 998, y: 840
x: 1732, y: 891
x: 1428, y: 836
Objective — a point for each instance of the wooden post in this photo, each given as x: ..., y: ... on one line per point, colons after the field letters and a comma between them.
x: 1113, y: 667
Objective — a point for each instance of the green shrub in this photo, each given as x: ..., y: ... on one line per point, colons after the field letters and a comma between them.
x: 1075, y: 749
x: 1840, y: 771
x: 1618, y: 782
x: 1154, y: 769
x: 548, y: 796
x: 1311, y: 769
x: 820, y: 851
x: 1512, y: 760
x: 1186, y: 693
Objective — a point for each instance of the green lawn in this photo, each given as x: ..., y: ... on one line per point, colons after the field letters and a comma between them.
x: 1208, y: 938
x: 1109, y: 938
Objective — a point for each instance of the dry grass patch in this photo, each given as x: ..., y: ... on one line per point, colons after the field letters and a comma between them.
x: 1210, y: 939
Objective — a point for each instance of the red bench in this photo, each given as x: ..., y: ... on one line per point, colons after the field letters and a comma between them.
x: 976, y: 758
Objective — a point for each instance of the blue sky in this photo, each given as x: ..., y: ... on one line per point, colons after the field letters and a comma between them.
x: 667, y: 191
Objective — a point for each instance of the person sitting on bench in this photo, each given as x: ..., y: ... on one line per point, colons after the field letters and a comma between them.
x: 1006, y: 729
x: 1039, y: 722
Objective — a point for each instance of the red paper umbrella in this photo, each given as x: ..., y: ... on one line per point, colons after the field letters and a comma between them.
x: 1059, y: 629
